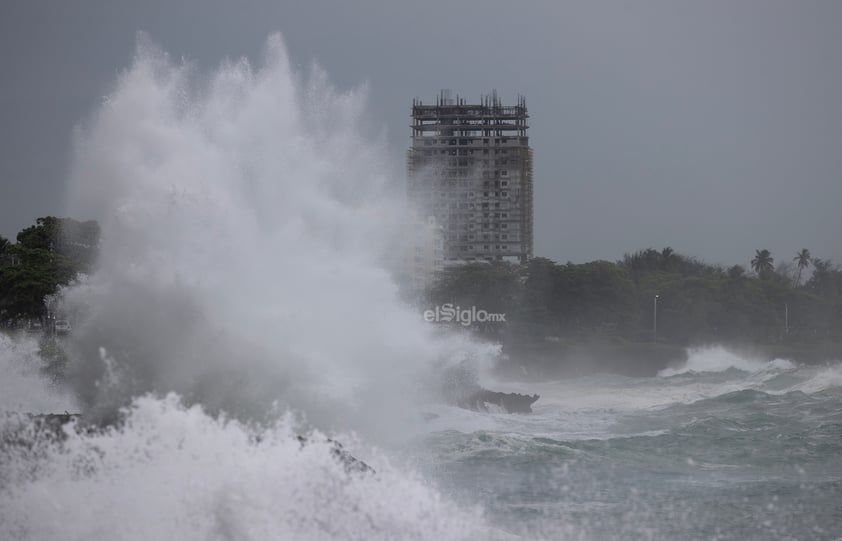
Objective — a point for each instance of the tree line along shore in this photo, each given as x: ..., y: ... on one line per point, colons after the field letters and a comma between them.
x: 635, y: 314
x: 640, y: 314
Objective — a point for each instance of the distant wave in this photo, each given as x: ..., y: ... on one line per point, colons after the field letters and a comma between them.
x: 719, y: 359
x: 827, y: 377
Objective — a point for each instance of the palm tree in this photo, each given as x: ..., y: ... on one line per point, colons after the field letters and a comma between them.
x: 803, y: 259
x: 763, y: 262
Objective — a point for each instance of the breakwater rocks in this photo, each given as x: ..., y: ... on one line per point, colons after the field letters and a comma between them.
x: 483, y: 399
x: 24, y: 433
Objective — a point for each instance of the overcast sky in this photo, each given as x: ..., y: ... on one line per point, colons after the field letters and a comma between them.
x: 714, y: 126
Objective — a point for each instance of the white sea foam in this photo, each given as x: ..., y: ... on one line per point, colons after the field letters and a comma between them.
x: 719, y: 359
x: 173, y: 472
x: 248, y: 230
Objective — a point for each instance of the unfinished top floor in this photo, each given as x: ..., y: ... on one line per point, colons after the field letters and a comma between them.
x: 454, y: 117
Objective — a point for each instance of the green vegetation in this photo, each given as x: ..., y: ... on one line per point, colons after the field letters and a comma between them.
x: 803, y: 259
x: 46, y: 256
x: 605, y: 302
x: 763, y: 262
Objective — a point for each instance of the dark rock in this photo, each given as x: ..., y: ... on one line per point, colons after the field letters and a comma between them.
x: 351, y: 463
x: 509, y: 402
x: 460, y: 386
x: 27, y: 431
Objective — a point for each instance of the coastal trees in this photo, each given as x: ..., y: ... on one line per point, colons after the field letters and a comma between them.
x: 736, y: 274
x: 46, y: 256
x: 763, y: 263
x: 493, y: 287
x: 803, y: 260
x: 699, y: 302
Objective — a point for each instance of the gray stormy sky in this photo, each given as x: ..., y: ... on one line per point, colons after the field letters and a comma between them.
x: 714, y: 127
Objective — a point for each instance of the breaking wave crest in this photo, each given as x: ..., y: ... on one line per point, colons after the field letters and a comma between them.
x: 174, y: 472
x: 250, y: 230
x: 719, y: 359
x: 250, y: 227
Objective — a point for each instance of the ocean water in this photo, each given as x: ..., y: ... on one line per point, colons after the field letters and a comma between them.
x: 245, y: 296
x: 721, y: 448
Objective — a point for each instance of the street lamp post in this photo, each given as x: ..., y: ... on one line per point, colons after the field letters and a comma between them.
x: 655, y: 321
x: 786, y: 318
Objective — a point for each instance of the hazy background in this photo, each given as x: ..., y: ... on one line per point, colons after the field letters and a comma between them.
x: 714, y: 127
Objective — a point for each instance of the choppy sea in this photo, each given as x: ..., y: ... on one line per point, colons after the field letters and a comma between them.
x: 722, y: 448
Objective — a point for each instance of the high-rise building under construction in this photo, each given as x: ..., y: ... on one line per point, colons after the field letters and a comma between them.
x: 470, y: 166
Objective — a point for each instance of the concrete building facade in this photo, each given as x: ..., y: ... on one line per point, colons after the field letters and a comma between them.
x: 470, y: 166
x: 423, y: 254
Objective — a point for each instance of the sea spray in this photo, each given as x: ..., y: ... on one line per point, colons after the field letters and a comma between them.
x: 174, y: 472
x: 25, y: 387
x: 247, y: 226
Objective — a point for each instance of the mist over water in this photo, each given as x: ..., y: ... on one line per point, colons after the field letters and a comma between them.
x: 23, y: 386
x: 248, y: 234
